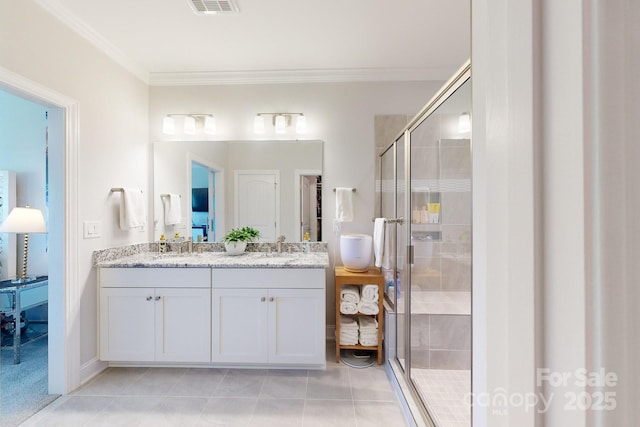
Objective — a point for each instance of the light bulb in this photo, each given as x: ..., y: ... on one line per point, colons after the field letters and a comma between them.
x: 168, y: 125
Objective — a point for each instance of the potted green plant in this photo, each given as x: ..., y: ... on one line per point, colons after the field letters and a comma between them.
x: 235, y: 241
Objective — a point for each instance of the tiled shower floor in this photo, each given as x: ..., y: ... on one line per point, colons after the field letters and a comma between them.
x: 445, y: 393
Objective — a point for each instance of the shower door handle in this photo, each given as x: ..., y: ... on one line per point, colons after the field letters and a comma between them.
x: 410, y: 254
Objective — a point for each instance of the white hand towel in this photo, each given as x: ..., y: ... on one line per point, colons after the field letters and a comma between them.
x: 348, y: 308
x: 367, y: 323
x: 366, y: 307
x: 380, y: 243
x: 172, y: 209
x: 350, y: 293
x: 370, y: 293
x: 344, y: 204
x: 132, y: 210
x: 369, y: 341
x: 349, y: 339
x: 348, y: 323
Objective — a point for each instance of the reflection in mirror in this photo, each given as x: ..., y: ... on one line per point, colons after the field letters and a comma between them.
x: 274, y: 186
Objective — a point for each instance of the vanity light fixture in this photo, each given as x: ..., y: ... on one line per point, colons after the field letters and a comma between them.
x: 281, y: 121
x: 190, y: 124
x: 464, y: 123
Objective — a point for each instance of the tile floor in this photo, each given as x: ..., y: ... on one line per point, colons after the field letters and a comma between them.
x: 446, y: 395
x: 339, y: 396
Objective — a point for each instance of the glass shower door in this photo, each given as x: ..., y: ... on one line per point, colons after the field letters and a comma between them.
x: 440, y: 279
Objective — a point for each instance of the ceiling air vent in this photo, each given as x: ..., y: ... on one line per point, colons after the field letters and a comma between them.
x: 213, y: 7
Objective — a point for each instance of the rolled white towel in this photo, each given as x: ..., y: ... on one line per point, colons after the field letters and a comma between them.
x: 366, y: 307
x: 350, y: 293
x: 348, y: 307
x: 367, y: 323
x: 348, y: 323
x: 349, y: 338
x: 370, y: 293
x: 369, y: 341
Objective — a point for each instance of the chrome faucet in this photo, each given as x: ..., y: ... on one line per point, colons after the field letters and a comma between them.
x: 279, y: 243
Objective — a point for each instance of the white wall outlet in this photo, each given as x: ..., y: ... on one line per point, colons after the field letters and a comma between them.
x: 92, y: 229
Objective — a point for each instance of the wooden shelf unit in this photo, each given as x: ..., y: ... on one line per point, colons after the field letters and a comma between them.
x: 371, y: 276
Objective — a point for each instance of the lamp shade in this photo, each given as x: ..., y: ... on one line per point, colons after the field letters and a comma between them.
x: 301, y: 124
x: 24, y: 220
x: 168, y: 126
x: 258, y: 124
x: 464, y: 123
x: 190, y: 125
x: 210, y: 125
x: 281, y: 124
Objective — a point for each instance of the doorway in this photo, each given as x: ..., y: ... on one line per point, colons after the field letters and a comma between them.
x: 64, y: 292
x: 38, y: 376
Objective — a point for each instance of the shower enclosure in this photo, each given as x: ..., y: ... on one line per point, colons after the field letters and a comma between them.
x: 425, y: 182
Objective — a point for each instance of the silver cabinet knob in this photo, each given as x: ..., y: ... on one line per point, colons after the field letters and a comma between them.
x: 149, y: 298
x: 263, y: 299
x: 158, y: 298
x: 271, y: 299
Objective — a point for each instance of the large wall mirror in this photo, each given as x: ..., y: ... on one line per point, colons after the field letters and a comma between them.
x: 274, y: 186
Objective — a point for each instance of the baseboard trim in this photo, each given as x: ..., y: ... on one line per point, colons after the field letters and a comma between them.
x: 90, y: 369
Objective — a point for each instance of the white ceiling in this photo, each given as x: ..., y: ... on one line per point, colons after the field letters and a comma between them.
x: 165, y: 42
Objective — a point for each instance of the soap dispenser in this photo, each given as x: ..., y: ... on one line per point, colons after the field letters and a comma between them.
x: 162, y: 246
x: 305, y: 243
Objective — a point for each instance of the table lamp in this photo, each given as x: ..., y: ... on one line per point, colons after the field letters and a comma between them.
x: 24, y: 221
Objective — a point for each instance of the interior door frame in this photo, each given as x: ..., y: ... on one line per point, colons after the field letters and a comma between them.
x: 297, y: 176
x: 219, y: 190
x: 64, y: 290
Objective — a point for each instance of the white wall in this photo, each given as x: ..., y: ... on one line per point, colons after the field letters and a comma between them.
x: 23, y: 147
x: 339, y: 114
x: 113, y: 127
x: 555, y: 265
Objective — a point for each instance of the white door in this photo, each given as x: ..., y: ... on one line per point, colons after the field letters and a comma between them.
x: 183, y: 325
x: 297, y: 326
x: 127, y: 324
x: 238, y: 319
x: 257, y: 200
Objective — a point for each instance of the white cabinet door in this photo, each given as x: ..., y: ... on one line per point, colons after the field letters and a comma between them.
x: 297, y: 326
x: 183, y: 325
x: 239, y: 325
x: 127, y: 324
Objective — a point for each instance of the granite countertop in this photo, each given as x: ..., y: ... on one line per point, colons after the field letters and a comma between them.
x: 220, y: 260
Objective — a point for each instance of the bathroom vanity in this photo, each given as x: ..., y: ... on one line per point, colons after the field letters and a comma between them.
x: 256, y: 309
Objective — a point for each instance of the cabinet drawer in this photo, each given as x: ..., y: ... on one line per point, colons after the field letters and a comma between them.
x: 155, y: 277
x: 299, y: 278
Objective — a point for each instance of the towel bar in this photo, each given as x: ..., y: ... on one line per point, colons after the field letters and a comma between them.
x: 353, y: 190
x: 393, y: 220
x: 120, y: 190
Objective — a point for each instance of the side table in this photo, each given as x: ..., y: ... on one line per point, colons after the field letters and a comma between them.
x: 17, y: 297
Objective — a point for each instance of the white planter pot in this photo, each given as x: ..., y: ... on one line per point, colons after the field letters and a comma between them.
x: 235, y: 248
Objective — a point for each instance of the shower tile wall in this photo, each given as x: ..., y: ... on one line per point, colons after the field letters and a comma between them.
x: 441, y: 341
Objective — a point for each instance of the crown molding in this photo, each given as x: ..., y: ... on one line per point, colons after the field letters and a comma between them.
x: 76, y: 24
x: 298, y: 76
